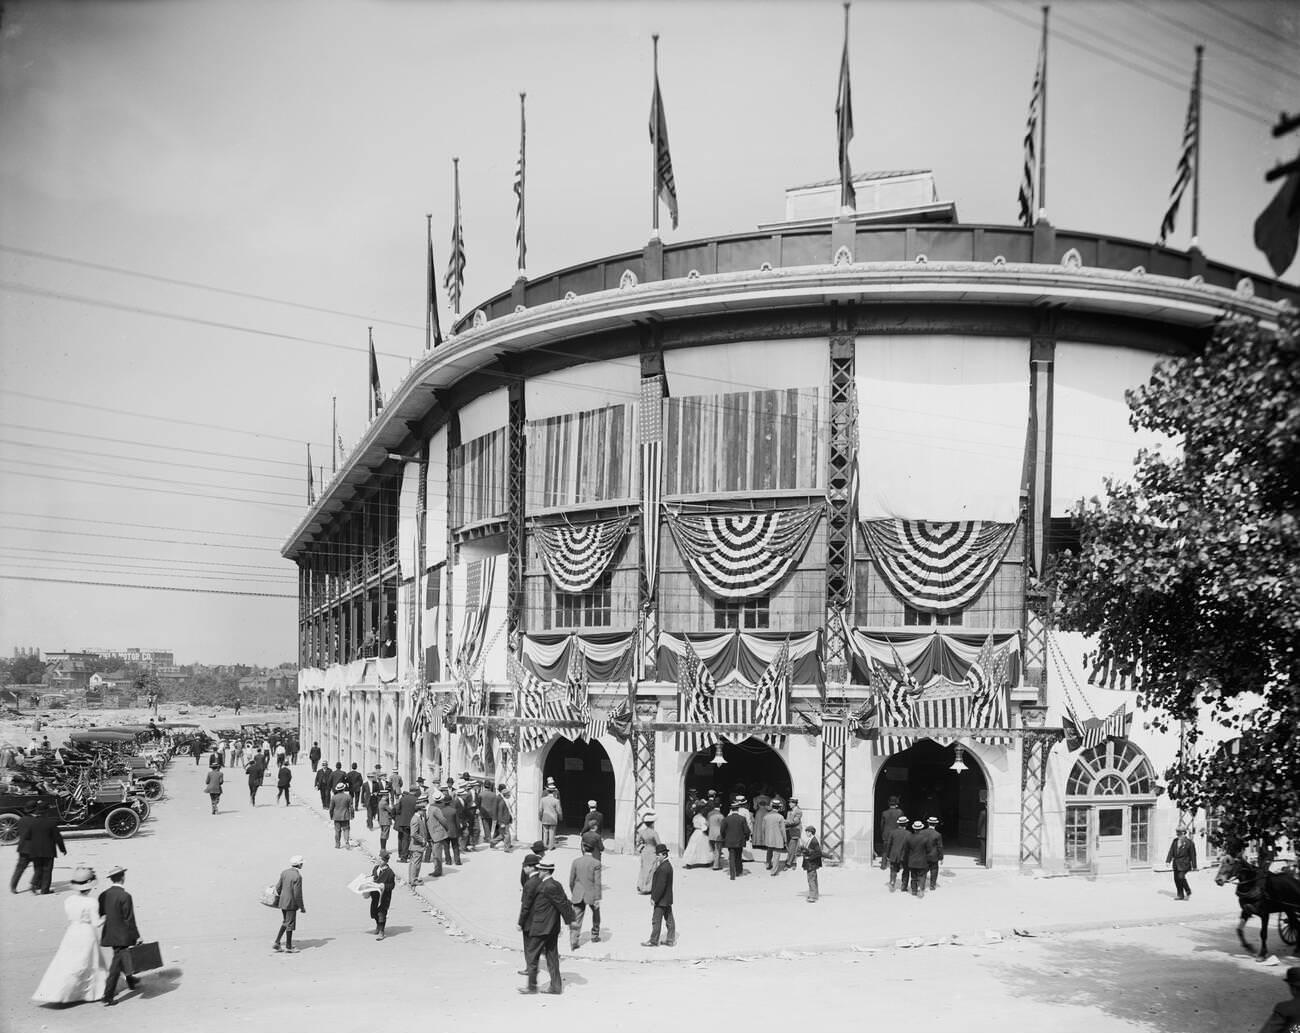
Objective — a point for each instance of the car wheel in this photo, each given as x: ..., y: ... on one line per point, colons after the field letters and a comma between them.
x: 122, y: 823
x: 8, y: 828
x: 153, y: 789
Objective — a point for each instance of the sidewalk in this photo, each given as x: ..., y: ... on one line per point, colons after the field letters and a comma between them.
x: 760, y: 915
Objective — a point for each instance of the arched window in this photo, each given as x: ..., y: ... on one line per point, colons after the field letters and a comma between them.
x: 1113, y: 768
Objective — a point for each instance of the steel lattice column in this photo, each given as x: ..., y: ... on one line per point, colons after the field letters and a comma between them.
x: 1035, y: 748
x: 643, y: 768
x: 834, y: 762
x: 839, y: 509
x: 515, y: 538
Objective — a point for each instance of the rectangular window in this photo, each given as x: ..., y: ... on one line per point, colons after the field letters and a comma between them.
x: 742, y: 614
x: 1139, y: 834
x: 590, y: 609
x: 1076, y: 837
x: 923, y: 619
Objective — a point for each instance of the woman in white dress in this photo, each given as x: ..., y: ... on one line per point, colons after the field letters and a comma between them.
x: 78, y: 971
x: 699, y: 852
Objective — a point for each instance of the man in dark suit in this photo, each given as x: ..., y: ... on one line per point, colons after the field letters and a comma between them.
x: 593, y: 815
x: 406, y: 805
x: 487, y: 805
x: 543, y: 907
x: 812, y: 863
x: 919, y: 850
x: 888, y: 819
x: 735, y: 831
x: 661, y: 899
x: 935, y: 838
x: 896, y: 852
x: 119, y: 933
x: 584, y: 884
x: 23, y: 830
x: 1182, y: 855
x: 43, y: 839
x: 324, y: 784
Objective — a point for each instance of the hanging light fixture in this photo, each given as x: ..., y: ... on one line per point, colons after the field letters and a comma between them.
x: 958, y: 765
x: 718, y: 758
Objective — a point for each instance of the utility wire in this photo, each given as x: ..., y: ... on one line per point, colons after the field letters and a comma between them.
x: 296, y: 463
x: 1273, y: 34
x: 150, y: 459
x: 142, y: 487
x: 223, y: 564
x: 146, y: 477
x: 119, y: 270
x: 1196, y: 33
x: 216, y: 324
x: 148, y: 588
x: 149, y: 527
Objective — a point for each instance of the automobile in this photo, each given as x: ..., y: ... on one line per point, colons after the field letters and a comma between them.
x: 114, y: 809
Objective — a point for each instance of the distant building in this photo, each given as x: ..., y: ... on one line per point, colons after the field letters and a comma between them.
x: 27, y: 653
x: 135, y: 655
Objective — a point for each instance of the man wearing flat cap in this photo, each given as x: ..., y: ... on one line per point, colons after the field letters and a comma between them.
x: 544, y: 906
x: 1286, y: 1014
x: 1182, y: 856
x: 119, y: 932
x: 288, y: 892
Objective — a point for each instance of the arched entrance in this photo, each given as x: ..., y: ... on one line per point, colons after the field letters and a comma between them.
x: 582, y: 772
x: 748, y: 768
x: 922, y: 778
x: 1109, y: 800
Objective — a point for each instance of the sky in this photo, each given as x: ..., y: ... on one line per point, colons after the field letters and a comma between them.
x: 204, y: 207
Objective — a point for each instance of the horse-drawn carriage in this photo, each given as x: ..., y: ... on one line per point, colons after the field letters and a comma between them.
x: 1262, y: 894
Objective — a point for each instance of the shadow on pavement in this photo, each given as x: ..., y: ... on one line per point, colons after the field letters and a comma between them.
x: 310, y: 944
x: 1183, y: 994
x: 159, y: 982
x: 395, y: 930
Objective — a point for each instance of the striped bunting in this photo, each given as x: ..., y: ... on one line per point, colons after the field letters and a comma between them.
x: 937, y: 567
x: 529, y: 693
x: 1093, y: 731
x: 651, y: 425
x: 478, y: 598
x: 576, y: 555
x: 835, y: 734
x: 742, y: 555
x: 695, y: 691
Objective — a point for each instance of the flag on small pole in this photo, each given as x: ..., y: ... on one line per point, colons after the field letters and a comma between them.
x: 376, y: 396
x: 432, y: 325
x: 844, y: 124
x: 521, y: 246
x: 1030, y: 178
x: 1188, y: 162
x: 454, y: 281
x: 335, y: 453
x: 311, y: 483
x: 662, y: 185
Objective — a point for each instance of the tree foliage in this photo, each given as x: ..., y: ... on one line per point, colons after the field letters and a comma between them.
x: 1189, y: 575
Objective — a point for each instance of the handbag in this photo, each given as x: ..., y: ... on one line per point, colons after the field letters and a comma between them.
x: 270, y: 897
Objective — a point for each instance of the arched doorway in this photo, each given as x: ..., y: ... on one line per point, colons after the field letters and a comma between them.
x: 1109, y: 800
x: 582, y: 772
x: 922, y: 778
x: 748, y: 768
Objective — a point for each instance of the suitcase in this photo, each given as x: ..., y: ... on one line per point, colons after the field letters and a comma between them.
x: 145, y: 956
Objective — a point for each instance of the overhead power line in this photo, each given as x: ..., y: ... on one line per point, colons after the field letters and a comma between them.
x: 1264, y: 30
x: 147, y: 588
x: 148, y: 477
x: 149, y: 527
x: 297, y: 463
x: 143, y: 487
x: 171, y: 464
x: 1196, y: 33
x: 120, y: 271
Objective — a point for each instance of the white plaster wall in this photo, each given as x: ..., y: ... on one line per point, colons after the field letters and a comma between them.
x: 747, y: 366
x: 579, y: 388
x: 860, y: 770
x: 485, y: 414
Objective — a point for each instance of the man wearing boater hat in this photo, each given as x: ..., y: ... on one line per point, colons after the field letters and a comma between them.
x: 119, y: 932
x: 543, y: 907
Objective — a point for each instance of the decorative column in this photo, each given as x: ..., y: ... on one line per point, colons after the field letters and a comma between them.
x: 834, y: 762
x: 1035, y: 746
x: 1038, y: 508
x: 650, y: 428
x: 455, y: 491
x: 643, y: 766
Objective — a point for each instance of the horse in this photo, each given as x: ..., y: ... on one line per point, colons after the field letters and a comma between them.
x: 1260, y: 894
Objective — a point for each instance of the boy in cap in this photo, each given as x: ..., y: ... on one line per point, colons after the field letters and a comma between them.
x: 812, y: 862
x: 661, y: 899
x: 544, y: 906
x: 1286, y: 1014
x: 119, y: 932
x: 288, y: 891
x: 383, y: 876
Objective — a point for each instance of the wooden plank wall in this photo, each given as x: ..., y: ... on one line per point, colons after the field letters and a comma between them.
x: 478, y: 479
x: 581, y: 457
x: 745, y: 441
x: 998, y: 607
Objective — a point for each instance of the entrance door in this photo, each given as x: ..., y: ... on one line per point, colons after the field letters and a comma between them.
x: 1112, y: 844
x: 582, y: 772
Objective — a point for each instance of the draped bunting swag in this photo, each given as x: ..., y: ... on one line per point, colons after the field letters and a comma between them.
x: 743, y: 656
x: 742, y: 555
x: 1089, y: 732
x: 926, y: 654
x: 701, y: 700
x: 937, y: 567
x: 607, y: 657
x: 576, y: 555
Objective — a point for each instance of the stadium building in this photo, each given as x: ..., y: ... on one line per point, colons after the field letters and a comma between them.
x: 763, y: 510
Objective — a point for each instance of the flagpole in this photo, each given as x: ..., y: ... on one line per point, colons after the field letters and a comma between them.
x: 428, y: 313
x: 654, y: 148
x: 1042, y: 144
x: 846, y: 176
x: 1196, y: 156
x: 334, y: 434
x: 370, y: 382
x: 522, y: 245
x: 455, y: 166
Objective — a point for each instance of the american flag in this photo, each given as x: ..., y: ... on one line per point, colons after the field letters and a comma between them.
x: 1027, y: 183
x: 454, y: 281
x: 987, y: 678
x: 665, y: 185
x: 1093, y: 731
x: 695, y: 693
x: 894, y: 707
x: 769, y: 703
x: 529, y: 695
x: 1191, y: 128
x: 521, y: 247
